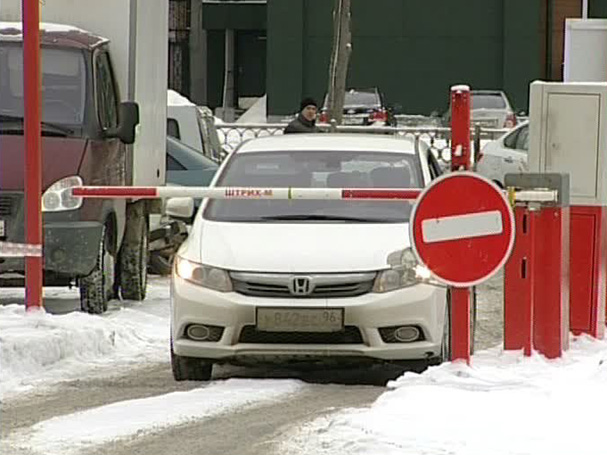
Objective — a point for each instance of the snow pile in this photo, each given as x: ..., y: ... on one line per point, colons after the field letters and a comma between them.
x: 504, y: 404
x: 74, y: 432
x: 176, y: 99
x: 38, y: 347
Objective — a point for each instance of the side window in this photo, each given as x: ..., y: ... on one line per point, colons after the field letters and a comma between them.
x: 173, y: 128
x: 107, y: 104
x: 522, y: 142
x: 173, y: 164
x: 510, y: 140
x: 435, y: 170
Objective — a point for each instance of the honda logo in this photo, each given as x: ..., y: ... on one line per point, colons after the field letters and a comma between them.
x: 301, y: 286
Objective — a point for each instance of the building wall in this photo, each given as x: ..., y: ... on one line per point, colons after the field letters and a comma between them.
x: 413, y: 51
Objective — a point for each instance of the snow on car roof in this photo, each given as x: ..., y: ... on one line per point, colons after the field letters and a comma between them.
x: 52, y: 34
x: 349, y: 142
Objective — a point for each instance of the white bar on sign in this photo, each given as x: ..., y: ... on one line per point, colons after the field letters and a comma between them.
x: 462, y: 226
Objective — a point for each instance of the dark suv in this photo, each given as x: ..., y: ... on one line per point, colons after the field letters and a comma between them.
x: 363, y: 107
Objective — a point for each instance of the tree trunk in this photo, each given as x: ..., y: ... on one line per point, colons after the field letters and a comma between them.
x: 340, y: 57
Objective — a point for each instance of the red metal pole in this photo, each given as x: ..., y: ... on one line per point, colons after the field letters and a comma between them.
x: 33, y: 158
x: 460, y: 160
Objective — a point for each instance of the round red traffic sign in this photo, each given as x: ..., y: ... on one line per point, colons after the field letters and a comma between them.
x: 462, y: 229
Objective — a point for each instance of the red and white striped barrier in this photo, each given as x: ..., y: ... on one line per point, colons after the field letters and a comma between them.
x: 246, y: 193
x: 19, y: 250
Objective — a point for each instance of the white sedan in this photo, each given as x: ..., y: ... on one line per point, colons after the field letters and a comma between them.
x: 506, y: 155
x: 277, y: 281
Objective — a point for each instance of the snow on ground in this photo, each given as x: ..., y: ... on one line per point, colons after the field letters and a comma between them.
x: 39, y: 348
x: 504, y: 404
x: 76, y: 432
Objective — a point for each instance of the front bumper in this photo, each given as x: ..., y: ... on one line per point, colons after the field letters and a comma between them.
x: 422, y: 306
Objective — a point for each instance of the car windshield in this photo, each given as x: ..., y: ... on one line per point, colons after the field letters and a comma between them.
x: 63, y: 84
x: 488, y: 101
x: 317, y: 169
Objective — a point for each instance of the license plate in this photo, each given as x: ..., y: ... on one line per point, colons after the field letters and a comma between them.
x: 300, y: 319
x: 353, y: 121
x: 2, y: 228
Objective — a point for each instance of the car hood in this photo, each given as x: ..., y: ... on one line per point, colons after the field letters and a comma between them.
x: 61, y: 157
x: 298, y: 248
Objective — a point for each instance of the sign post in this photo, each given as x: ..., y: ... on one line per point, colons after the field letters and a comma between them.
x: 462, y: 230
x: 460, y: 160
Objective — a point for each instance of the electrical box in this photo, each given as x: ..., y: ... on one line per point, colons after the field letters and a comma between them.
x: 585, y: 50
x: 568, y: 134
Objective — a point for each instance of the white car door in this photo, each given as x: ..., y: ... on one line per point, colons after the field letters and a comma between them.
x: 505, y: 155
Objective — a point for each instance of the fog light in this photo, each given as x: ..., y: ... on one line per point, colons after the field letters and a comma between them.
x: 198, y: 332
x: 406, y: 334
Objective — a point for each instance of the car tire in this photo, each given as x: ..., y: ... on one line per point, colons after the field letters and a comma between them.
x: 97, y: 288
x: 190, y: 368
x: 160, y: 265
x: 134, y: 260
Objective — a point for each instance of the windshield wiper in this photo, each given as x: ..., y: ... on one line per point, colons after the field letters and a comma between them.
x: 318, y: 217
x: 4, y: 118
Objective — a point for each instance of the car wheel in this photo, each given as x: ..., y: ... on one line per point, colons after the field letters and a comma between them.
x: 97, y: 288
x: 133, y: 261
x: 190, y: 368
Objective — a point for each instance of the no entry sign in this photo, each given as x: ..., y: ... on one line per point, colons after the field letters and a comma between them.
x: 462, y: 229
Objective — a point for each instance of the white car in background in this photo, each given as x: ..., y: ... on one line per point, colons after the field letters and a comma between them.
x: 303, y: 280
x: 508, y: 154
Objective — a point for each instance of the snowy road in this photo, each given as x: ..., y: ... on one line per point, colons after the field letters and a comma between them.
x: 118, y: 396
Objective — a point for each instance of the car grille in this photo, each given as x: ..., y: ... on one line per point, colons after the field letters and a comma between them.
x: 6, y: 205
x: 320, y: 286
x: 350, y: 335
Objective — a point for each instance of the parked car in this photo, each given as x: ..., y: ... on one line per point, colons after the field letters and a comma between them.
x: 185, y: 166
x: 508, y: 154
x: 490, y: 109
x: 301, y: 280
x: 193, y: 125
x: 363, y: 107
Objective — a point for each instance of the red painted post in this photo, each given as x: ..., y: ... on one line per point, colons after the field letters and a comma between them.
x: 460, y: 160
x: 518, y: 287
x: 33, y: 158
x: 551, y: 281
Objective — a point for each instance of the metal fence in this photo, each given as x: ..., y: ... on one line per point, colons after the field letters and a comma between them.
x: 437, y: 138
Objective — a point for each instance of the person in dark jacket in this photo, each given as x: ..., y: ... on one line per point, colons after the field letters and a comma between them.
x: 306, y: 119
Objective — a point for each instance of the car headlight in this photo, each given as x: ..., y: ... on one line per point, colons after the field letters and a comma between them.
x: 203, y: 275
x: 404, y: 272
x: 58, y: 197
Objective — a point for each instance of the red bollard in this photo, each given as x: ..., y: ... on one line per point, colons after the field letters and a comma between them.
x: 536, y: 280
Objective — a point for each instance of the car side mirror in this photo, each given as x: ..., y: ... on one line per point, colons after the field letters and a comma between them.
x: 180, y: 207
x: 129, y: 119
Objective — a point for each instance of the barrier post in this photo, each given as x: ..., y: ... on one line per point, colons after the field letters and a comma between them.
x: 536, y: 278
x: 33, y: 158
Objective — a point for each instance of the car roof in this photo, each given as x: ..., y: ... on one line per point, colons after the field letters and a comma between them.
x: 330, y: 142
x: 53, y: 35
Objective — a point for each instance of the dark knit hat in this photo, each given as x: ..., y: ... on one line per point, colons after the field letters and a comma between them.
x: 307, y: 102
